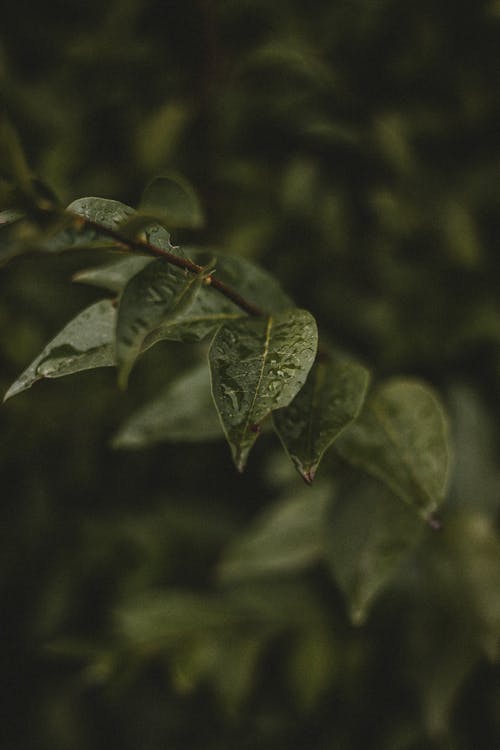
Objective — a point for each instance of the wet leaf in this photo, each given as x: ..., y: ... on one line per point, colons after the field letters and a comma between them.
x: 368, y: 533
x: 109, y: 213
x: 288, y: 536
x: 258, y: 365
x: 183, y: 412
x: 84, y: 343
x: 174, y: 199
x: 156, y: 294
x: 401, y: 437
x: 330, y: 399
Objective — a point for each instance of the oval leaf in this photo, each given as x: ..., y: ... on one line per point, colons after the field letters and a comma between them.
x: 258, y: 365
x: 401, y: 437
x: 173, y: 199
x: 157, y: 293
x: 183, y: 412
x: 84, y: 343
x: 330, y: 399
x: 287, y: 537
x: 368, y: 534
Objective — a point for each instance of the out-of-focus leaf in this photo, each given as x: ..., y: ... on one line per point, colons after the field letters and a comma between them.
x: 258, y: 365
x: 84, y: 343
x: 312, y: 665
x: 12, y: 159
x: 288, y: 536
x: 157, y: 293
x: 163, y: 618
x: 474, y: 543
x: 235, y: 667
x: 174, y: 199
x: 183, y: 412
x: 475, y: 481
x: 368, y: 535
x: 401, y: 437
x: 330, y: 399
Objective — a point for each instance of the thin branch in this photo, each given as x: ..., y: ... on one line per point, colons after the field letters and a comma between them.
x: 147, y: 248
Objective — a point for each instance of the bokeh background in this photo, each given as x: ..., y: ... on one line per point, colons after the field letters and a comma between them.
x: 350, y: 147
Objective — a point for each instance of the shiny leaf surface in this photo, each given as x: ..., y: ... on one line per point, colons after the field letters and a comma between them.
x: 84, y: 343
x: 258, y: 365
x: 330, y: 399
x: 157, y: 293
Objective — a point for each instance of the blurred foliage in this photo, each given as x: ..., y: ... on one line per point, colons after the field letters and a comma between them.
x: 352, y: 149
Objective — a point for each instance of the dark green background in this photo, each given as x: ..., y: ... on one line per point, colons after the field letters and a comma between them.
x: 352, y: 149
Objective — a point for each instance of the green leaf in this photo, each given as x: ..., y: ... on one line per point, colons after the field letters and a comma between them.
x: 10, y: 216
x: 70, y: 233
x: 183, y: 412
x: 109, y: 213
x: 173, y: 198
x: 166, y: 617
x: 258, y: 365
x: 157, y: 293
x: 84, y: 343
x: 401, y: 437
x: 113, y: 276
x: 286, y: 537
x: 250, y: 281
x: 368, y: 534
x: 330, y: 399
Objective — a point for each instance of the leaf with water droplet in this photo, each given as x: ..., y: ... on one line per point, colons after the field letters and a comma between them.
x: 158, y: 293
x: 368, y: 533
x: 113, y: 276
x: 401, y: 437
x: 330, y: 399
x: 84, y: 343
x: 70, y: 233
x: 183, y: 412
x: 259, y: 365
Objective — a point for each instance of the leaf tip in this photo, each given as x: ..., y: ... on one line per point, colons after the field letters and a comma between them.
x: 308, y: 475
x: 434, y: 523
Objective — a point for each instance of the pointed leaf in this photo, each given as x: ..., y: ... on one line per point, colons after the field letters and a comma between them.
x: 183, y: 412
x: 173, y: 198
x: 84, y: 343
x: 286, y: 537
x: 157, y: 293
x: 401, y: 437
x: 258, y: 365
x: 368, y: 534
x: 330, y: 399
